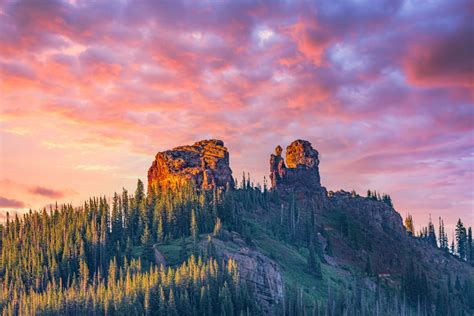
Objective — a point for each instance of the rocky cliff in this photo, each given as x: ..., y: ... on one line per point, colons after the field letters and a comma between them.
x: 301, y: 172
x: 259, y: 272
x: 206, y: 163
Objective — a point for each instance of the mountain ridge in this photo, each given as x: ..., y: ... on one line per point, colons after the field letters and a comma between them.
x: 367, y: 226
x: 197, y: 241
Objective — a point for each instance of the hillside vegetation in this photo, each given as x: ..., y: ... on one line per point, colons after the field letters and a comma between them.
x: 100, y: 258
x: 191, y: 246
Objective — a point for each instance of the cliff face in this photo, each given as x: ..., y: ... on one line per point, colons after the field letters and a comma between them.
x: 259, y: 272
x: 301, y: 172
x: 383, y: 218
x: 205, y: 162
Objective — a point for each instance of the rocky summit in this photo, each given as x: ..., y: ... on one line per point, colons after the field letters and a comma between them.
x: 301, y: 172
x: 205, y: 162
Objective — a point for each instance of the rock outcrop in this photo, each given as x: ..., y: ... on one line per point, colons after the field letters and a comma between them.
x: 206, y: 163
x: 277, y: 167
x: 259, y: 272
x: 302, y: 170
x: 383, y: 218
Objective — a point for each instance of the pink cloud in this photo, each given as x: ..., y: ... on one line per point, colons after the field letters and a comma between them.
x: 11, y: 203
x: 312, y: 39
x: 443, y: 61
x: 50, y: 193
x: 370, y: 85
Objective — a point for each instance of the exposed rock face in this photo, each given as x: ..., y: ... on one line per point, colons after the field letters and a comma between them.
x: 159, y: 258
x: 206, y: 163
x: 383, y: 218
x: 301, y: 155
x: 259, y: 272
x: 302, y: 172
x: 277, y: 167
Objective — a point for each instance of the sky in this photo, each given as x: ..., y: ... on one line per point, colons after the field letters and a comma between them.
x: 90, y: 91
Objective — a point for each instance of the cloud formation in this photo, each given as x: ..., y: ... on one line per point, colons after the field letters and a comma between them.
x: 50, y: 193
x: 382, y: 89
x: 10, y: 203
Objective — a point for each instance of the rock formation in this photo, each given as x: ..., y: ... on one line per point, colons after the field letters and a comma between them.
x: 301, y: 172
x: 277, y: 167
x: 260, y: 273
x: 206, y: 163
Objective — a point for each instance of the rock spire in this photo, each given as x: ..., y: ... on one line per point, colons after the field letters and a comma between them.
x: 302, y: 169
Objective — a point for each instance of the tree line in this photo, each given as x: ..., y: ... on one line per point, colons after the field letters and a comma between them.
x: 461, y: 245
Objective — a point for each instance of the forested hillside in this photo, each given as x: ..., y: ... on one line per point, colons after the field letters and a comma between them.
x: 99, y: 258
x: 291, y: 248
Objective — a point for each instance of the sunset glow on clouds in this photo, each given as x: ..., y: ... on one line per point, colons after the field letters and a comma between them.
x: 91, y: 90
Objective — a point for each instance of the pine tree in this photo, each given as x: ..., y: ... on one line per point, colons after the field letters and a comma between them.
x: 469, y: 245
x: 194, y: 227
x: 146, y: 300
x: 126, y: 213
x: 145, y: 238
x: 160, y: 230
x: 172, y: 304
x: 217, y: 227
x: 387, y: 200
x: 443, y: 238
x: 314, y: 265
x: 409, y: 225
x: 84, y: 275
x: 461, y: 240
x: 116, y: 219
x: 142, y: 217
x: 147, y: 243
x: 139, y: 192
x: 211, y: 250
x: 162, y: 306
x: 432, y: 234
x: 112, y: 275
